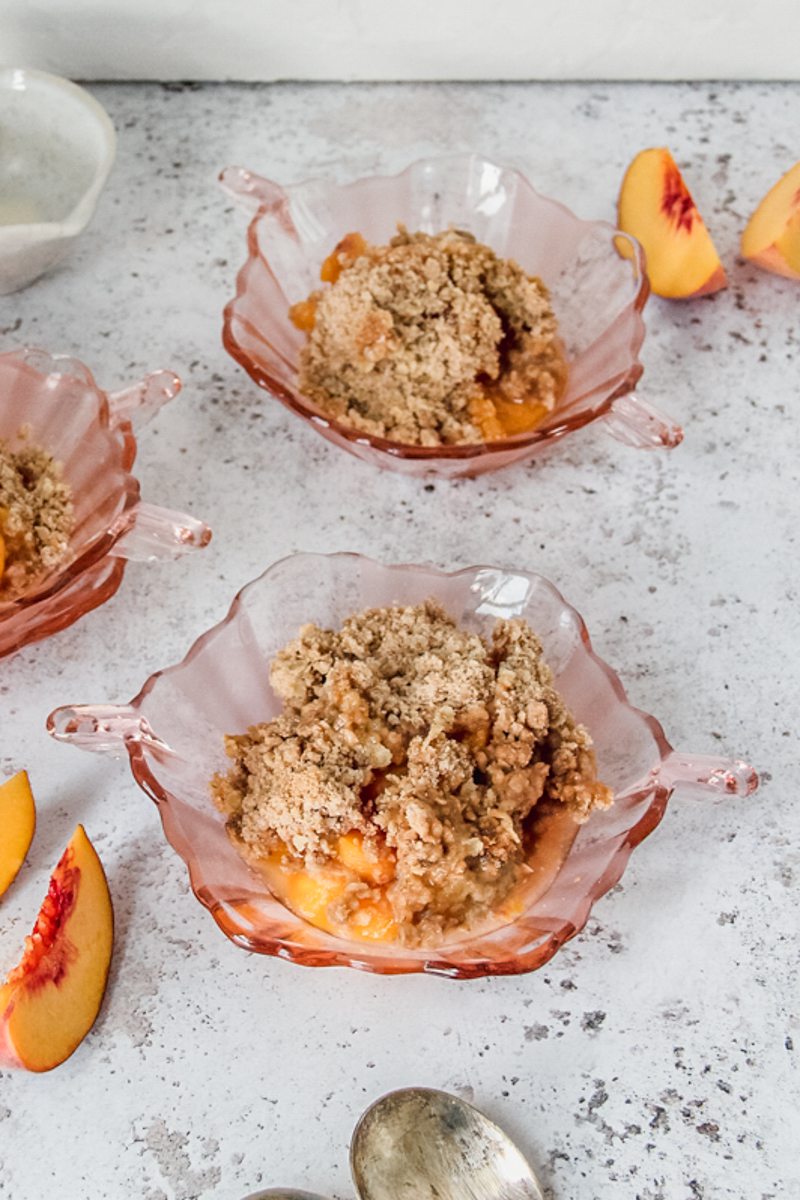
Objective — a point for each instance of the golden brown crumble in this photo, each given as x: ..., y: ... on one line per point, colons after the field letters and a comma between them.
x: 426, y: 740
x: 430, y: 340
x: 36, y: 517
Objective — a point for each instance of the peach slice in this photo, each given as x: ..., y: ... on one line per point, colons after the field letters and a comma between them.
x: 772, y: 236
x: 17, y: 821
x: 50, y: 1001
x: 656, y: 207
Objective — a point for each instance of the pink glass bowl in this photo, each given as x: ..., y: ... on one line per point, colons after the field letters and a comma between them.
x: 598, y: 295
x: 173, y: 732
x: 90, y: 434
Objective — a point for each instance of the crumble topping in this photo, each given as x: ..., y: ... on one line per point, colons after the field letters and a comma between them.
x: 430, y: 340
x: 429, y: 742
x: 36, y: 517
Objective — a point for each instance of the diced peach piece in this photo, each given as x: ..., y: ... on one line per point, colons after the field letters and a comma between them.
x: 498, y: 418
x: 17, y: 822
x: 373, y: 864
x: 312, y: 893
x: 519, y: 416
x: 351, y: 247
x: 303, y: 315
x: 772, y: 236
x: 483, y: 413
x: 311, y: 896
x: 373, y: 921
x: 51, y: 1000
x: 2, y: 555
x: 656, y: 207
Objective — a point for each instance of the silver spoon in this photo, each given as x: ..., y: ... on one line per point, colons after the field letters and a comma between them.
x: 420, y: 1144
x: 284, y: 1194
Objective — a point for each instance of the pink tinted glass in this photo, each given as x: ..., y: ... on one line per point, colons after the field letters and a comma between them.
x: 173, y: 732
x: 598, y: 295
x: 54, y: 401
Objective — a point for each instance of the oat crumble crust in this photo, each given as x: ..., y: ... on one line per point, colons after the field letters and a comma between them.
x: 36, y: 516
x: 418, y: 734
x: 411, y: 335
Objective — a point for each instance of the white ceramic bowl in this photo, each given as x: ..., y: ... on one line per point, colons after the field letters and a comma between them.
x: 57, y: 147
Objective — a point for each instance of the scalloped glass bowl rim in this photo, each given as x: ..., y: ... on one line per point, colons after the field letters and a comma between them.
x: 105, y: 542
x: 312, y: 956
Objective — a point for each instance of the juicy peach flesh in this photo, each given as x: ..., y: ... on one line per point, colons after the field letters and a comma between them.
x: 17, y: 822
x: 656, y: 207
x: 315, y: 893
x: 303, y: 315
x: 772, y: 235
x: 498, y: 418
x: 50, y: 1001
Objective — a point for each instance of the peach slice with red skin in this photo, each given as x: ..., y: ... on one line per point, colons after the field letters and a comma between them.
x: 50, y: 1001
x: 656, y: 207
x: 18, y: 822
x: 772, y: 235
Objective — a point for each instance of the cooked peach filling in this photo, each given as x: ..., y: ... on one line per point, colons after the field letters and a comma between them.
x: 345, y: 896
x: 430, y: 340
x: 497, y: 418
x: 350, y: 895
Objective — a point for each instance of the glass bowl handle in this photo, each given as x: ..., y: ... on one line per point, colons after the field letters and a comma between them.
x: 708, y: 773
x: 142, y: 400
x: 147, y: 533
x: 252, y: 190
x: 102, y: 728
x: 259, y: 195
x: 635, y: 423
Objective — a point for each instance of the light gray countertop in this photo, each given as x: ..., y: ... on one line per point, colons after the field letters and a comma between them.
x: 655, y: 1057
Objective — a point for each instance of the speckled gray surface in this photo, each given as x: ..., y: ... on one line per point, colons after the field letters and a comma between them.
x: 654, y: 1058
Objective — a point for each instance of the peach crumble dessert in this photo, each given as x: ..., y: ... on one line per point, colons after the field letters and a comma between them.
x: 431, y: 340
x: 36, y: 517
x: 398, y: 795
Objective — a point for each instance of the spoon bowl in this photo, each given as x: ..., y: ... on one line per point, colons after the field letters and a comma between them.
x: 422, y: 1144
x: 284, y: 1194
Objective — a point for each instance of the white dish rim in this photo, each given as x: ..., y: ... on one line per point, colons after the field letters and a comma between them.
x: 17, y: 79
